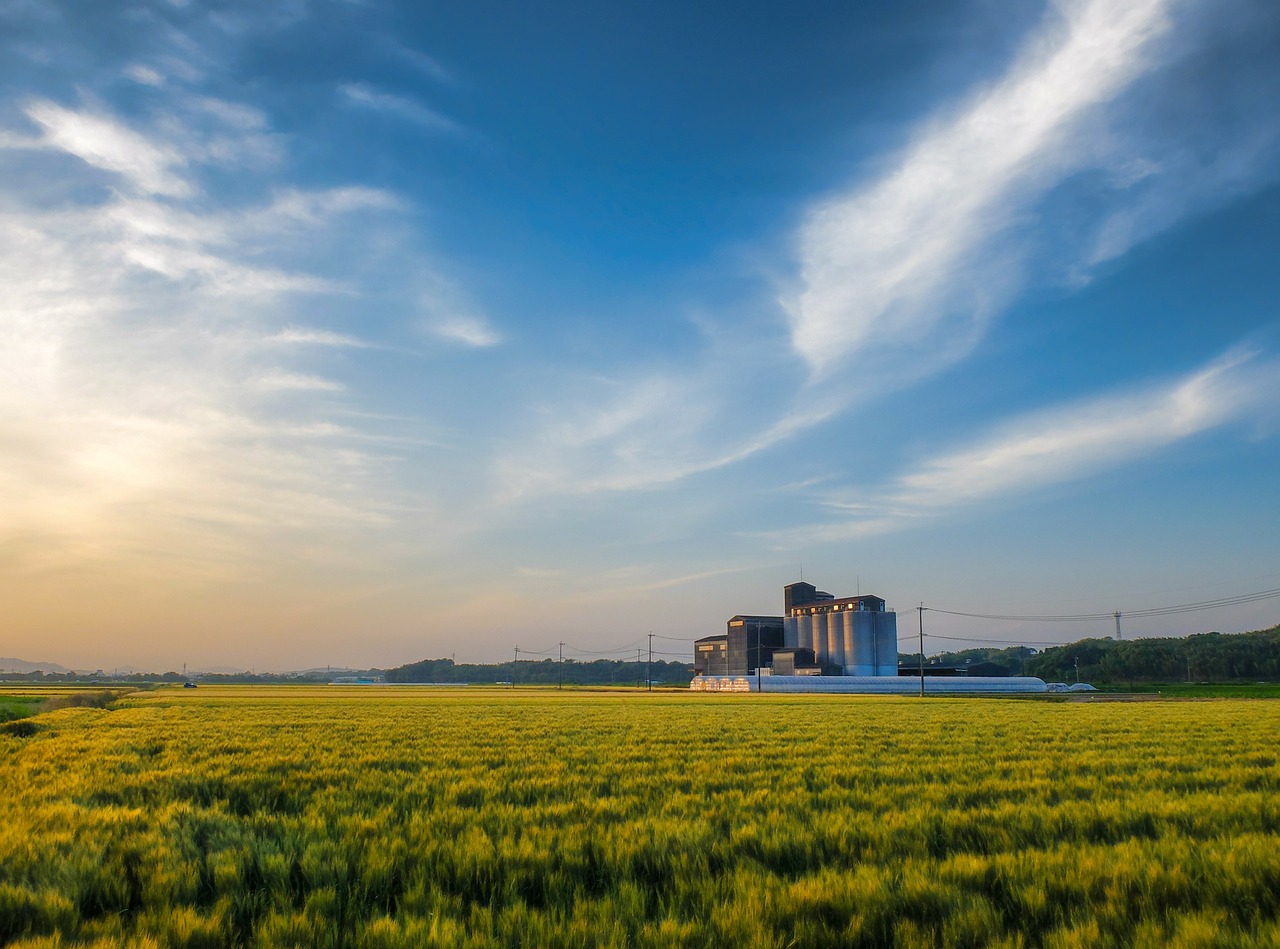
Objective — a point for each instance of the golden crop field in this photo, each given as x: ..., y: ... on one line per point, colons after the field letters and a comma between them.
x: 386, y: 817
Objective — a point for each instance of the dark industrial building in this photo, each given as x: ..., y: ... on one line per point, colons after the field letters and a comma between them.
x: 751, y: 642
x: 795, y: 662
x: 711, y: 656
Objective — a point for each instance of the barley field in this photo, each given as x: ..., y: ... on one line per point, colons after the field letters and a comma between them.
x: 385, y: 817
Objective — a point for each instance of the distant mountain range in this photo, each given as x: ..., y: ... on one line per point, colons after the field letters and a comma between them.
x: 21, y: 665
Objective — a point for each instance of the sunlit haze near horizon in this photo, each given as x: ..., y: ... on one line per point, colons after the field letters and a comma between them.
x: 341, y: 333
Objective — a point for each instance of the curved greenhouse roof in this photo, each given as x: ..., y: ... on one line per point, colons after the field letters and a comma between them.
x: 873, y: 685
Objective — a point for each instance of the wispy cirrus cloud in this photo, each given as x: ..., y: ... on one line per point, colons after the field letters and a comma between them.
x: 640, y: 433
x: 473, y: 331
x: 299, y: 335
x: 903, y: 272
x: 297, y: 382
x: 149, y: 167
x: 422, y: 63
x: 366, y: 96
x: 904, y: 264
x: 154, y: 352
x: 1060, y: 445
x: 143, y: 74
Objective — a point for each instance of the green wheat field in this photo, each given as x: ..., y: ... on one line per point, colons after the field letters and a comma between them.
x: 384, y: 817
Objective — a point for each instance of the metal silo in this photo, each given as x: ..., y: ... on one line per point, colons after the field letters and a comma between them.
x: 820, y: 637
x: 804, y: 631
x: 790, y: 632
x: 886, y: 643
x: 847, y: 640
x: 835, y: 639
x: 864, y: 644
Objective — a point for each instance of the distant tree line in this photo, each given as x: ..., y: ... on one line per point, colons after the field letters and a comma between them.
x: 545, y: 672
x: 1204, y: 657
x: 273, y: 678
x: 1009, y: 661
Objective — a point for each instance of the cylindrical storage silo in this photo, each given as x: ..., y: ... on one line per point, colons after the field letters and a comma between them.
x: 820, y: 637
x: 846, y: 640
x: 789, y: 633
x: 886, y: 643
x: 835, y: 640
x: 804, y: 631
x: 864, y: 644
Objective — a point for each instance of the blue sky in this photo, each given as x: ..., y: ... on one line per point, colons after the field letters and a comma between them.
x: 355, y: 333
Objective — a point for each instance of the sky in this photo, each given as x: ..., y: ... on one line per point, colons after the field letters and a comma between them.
x: 356, y: 333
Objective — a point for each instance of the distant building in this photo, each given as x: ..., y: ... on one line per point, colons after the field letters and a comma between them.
x: 795, y: 662
x: 818, y: 634
x: 853, y: 635
x: 833, y: 644
x: 751, y: 642
x: 711, y: 656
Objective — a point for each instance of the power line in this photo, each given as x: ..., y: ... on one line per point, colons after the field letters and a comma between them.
x: 1096, y: 617
x: 1207, y: 604
x: 1078, y: 618
x: 1001, y: 642
x: 601, y: 652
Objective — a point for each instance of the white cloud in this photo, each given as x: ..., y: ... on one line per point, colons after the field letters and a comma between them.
x: 422, y: 62
x: 313, y: 337
x: 363, y: 95
x: 297, y: 382
x: 1061, y: 445
x: 468, y: 330
x: 898, y: 276
x: 901, y: 264
x: 902, y: 273
x: 236, y: 115
x: 144, y: 75
x: 143, y: 368
x: 105, y: 143
x: 313, y: 205
x: 218, y: 273
x: 540, y: 573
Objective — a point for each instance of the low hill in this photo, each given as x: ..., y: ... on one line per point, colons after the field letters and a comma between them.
x: 22, y: 665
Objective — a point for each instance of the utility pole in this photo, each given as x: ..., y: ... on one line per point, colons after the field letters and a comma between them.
x: 1077, y: 658
x: 1117, y: 625
x: 648, y: 669
x: 637, y: 666
x: 513, y: 668
x: 560, y: 684
x: 921, y: 614
x: 1188, y: 670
